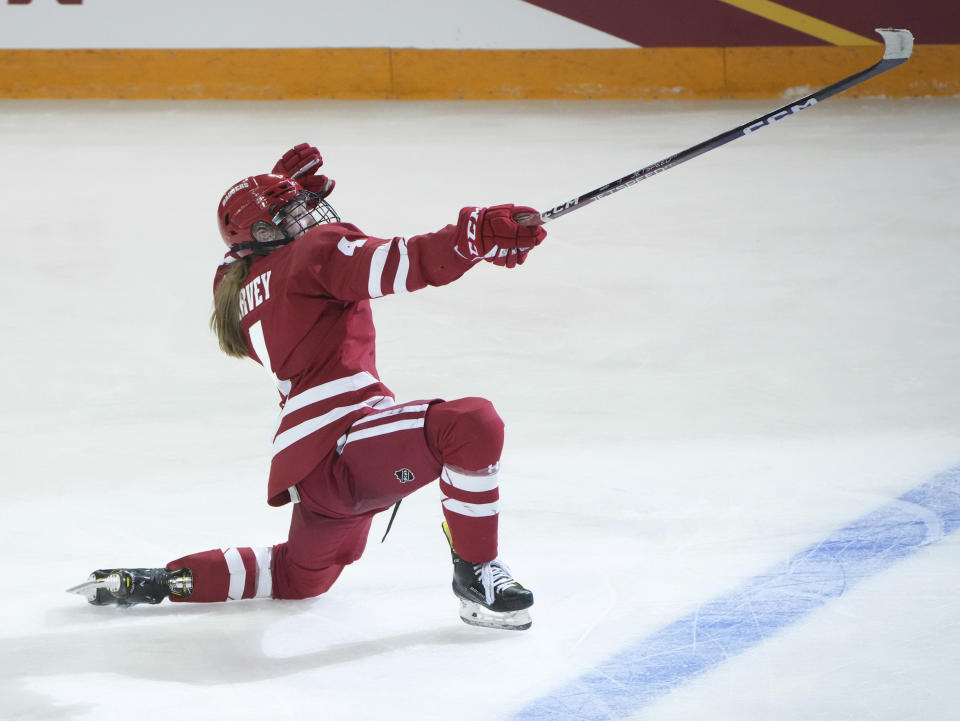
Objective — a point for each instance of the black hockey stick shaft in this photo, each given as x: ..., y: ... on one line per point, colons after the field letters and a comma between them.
x: 898, y: 45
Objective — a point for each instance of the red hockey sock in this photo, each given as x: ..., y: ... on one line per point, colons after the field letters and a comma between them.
x: 467, y: 436
x: 471, y: 505
x: 228, y: 575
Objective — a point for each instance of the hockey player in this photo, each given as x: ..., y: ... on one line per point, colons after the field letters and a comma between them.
x: 293, y: 294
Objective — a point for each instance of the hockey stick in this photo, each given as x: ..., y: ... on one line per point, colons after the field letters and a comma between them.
x: 898, y: 45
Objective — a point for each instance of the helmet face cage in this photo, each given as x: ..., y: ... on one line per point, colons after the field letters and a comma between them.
x: 305, y: 210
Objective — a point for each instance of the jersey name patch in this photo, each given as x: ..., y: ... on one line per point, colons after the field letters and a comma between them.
x: 254, y: 293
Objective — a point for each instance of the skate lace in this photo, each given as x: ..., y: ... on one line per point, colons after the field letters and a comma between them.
x: 493, y: 576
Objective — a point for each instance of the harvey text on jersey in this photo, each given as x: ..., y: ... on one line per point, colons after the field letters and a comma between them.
x: 254, y: 293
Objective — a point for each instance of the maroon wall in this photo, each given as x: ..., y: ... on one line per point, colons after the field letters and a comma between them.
x: 712, y: 23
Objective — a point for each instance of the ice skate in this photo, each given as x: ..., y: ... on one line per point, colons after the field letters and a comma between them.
x: 489, y: 595
x: 130, y: 586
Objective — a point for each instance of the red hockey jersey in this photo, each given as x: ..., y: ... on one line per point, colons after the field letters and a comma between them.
x: 306, y: 314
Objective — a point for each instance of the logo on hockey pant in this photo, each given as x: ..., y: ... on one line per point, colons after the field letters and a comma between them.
x: 405, y: 475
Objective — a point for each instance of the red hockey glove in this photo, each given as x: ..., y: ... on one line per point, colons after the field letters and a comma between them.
x: 301, y: 163
x: 494, y: 234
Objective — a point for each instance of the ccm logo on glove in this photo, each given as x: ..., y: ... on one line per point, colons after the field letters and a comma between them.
x: 494, y: 234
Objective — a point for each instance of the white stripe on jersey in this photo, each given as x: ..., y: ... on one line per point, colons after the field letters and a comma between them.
x: 302, y: 430
x: 238, y: 574
x: 474, y: 510
x: 391, y: 412
x: 259, y: 344
x: 377, y: 263
x: 474, y: 483
x: 400, y: 281
x: 383, y: 430
x: 328, y: 390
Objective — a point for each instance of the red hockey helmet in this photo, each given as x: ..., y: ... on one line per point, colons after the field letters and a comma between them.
x: 274, y: 200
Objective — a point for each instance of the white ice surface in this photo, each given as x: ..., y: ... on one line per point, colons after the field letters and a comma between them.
x: 700, y: 377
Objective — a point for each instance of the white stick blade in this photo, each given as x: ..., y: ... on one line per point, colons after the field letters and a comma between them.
x: 898, y: 43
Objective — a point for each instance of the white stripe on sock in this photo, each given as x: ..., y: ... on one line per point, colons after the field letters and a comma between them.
x: 238, y: 574
x: 472, y: 482
x: 264, y: 558
x: 474, y: 510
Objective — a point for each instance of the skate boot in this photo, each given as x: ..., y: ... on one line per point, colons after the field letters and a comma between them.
x: 130, y: 586
x: 489, y: 596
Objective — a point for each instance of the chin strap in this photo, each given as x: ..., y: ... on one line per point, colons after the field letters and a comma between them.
x: 258, y: 248
x: 255, y: 248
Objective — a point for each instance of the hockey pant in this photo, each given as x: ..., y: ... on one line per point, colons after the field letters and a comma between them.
x: 382, y: 458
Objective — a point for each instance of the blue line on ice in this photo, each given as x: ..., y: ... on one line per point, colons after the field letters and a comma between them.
x: 727, y: 626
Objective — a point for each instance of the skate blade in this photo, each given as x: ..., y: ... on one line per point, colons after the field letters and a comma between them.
x: 89, y: 588
x: 477, y: 615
